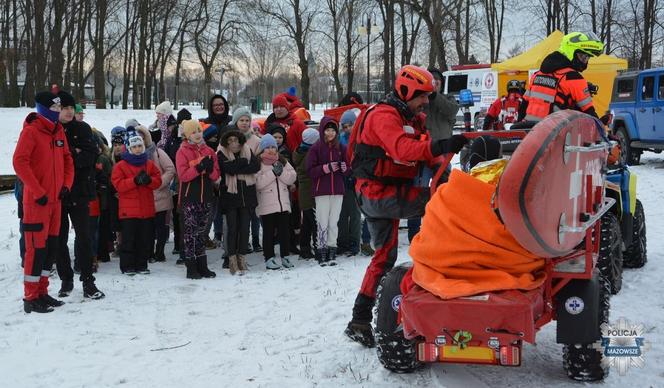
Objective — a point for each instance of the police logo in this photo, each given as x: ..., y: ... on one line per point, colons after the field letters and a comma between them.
x: 396, y: 302
x: 574, y: 305
x: 622, y: 345
x: 59, y: 143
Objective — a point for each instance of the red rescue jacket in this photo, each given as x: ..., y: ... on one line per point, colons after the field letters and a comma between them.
x: 42, y: 160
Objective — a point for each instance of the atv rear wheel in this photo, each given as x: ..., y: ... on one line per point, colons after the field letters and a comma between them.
x: 395, y: 352
x: 583, y: 362
x: 610, y: 261
x: 635, y: 256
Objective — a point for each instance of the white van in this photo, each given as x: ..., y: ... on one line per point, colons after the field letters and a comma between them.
x: 481, y: 80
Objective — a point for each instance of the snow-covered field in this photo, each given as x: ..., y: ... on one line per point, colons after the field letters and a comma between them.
x: 276, y: 329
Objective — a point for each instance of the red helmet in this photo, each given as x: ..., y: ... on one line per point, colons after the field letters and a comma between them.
x: 411, y: 80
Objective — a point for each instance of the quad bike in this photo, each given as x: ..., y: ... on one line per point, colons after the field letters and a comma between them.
x: 552, y: 199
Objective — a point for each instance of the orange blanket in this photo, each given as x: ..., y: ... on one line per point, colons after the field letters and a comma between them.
x: 463, y: 249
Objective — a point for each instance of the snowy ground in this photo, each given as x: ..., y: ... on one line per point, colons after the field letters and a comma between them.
x: 276, y: 329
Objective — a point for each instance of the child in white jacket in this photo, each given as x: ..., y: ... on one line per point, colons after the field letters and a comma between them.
x: 272, y: 182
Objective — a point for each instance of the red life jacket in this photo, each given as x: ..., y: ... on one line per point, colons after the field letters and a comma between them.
x: 544, y: 96
x: 510, y: 108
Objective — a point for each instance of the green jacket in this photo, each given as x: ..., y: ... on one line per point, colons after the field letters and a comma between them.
x: 303, y: 180
x: 441, y: 115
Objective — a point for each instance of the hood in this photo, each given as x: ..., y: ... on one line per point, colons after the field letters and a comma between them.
x: 323, y: 123
x: 232, y: 132
x: 225, y: 118
x: 276, y: 127
x: 146, y: 135
x: 554, y: 61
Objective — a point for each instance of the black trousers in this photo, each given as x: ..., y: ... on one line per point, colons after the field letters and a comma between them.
x: 177, y: 230
x: 105, y: 235
x: 137, y: 235
x: 79, y: 213
x: 279, y: 223
x: 308, y: 230
x: 238, y: 230
x: 160, y: 231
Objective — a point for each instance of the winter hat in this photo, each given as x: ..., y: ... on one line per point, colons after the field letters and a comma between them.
x: 484, y: 148
x: 189, y: 127
x: 183, y: 115
x: 267, y: 141
x: 44, y: 101
x: 348, y: 117
x: 78, y: 108
x: 132, y: 123
x: 279, y: 100
x: 276, y: 127
x: 164, y: 108
x: 292, y: 91
x: 136, y: 140
x: 171, y: 121
x: 310, y: 136
x: 210, y: 131
x: 239, y: 112
x: 436, y: 73
x: 232, y: 133
x: 66, y: 99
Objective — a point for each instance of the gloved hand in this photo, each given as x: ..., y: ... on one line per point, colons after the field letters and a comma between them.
x: 64, y: 193
x: 42, y: 201
x: 204, y: 164
x: 605, y: 119
x: 453, y: 145
x: 343, y: 166
x: 142, y: 179
x: 277, y: 168
x: 209, y: 166
x: 326, y: 168
x: 334, y: 166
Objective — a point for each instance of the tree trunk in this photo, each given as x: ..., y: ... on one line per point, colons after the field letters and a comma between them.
x: 178, y: 66
x: 29, y: 85
x: 57, y: 41
x: 126, y: 62
x: 350, y: 65
x: 139, y: 83
x: 100, y: 85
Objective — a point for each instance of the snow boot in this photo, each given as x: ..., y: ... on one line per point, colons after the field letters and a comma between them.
x: 233, y: 265
x: 192, y: 269
x: 225, y: 264
x: 51, y: 301
x: 321, y: 256
x: 36, y: 305
x: 159, y: 253
x: 242, y: 264
x: 272, y: 263
x: 91, y: 291
x: 287, y: 263
x: 331, y: 256
x: 66, y: 288
x: 203, y: 267
x: 361, y: 332
x: 366, y: 249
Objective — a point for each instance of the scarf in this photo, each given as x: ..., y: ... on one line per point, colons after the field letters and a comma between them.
x: 269, y: 159
x: 402, y: 107
x: 165, y: 131
x: 231, y: 180
x: 135, y: 160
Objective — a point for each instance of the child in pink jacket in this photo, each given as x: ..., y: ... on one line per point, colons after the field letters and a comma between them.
x: 197, y: 169
x: 272, y: 182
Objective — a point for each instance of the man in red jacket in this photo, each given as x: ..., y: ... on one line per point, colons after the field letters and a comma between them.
x: 389, y: 149
x: 43, y: 163
x: 282, y: 116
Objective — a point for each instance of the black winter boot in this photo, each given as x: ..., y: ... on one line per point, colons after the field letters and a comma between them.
x: 36, y: 305
x: 321, y: 256
x: 66, y: 288
x: 359, y: 328
x: 159, y: 253
x: 224, y: 265
x: 192, y: 269
x: 51, y: 301
x: 332, y: 256
x: 203, y: 267
x: 91, y: 291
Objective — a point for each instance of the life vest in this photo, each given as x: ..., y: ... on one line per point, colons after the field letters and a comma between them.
x: 509, y: 109
x: 372, y: 162
x: 544, y: 96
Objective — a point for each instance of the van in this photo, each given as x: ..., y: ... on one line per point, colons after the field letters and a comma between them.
x: 483, y: 83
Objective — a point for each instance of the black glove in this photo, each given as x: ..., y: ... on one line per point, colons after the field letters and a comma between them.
x: 277, y: 168
x: 204, y: 165
x: 453, y: 145
x: 142, y: 179
x: 605, y: 119
x: 64, y: 193
x: 42, y: 201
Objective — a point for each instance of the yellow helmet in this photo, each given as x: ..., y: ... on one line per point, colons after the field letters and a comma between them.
x: 586, y: 42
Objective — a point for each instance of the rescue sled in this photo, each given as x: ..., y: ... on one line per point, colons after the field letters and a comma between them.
x: 551, y: 198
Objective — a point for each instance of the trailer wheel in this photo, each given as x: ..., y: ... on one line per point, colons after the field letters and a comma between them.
x: 395, y: 352
x: 636, y: 256
x: 610, y: 261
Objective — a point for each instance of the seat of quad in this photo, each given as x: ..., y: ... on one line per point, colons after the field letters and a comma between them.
x: 510, y: 312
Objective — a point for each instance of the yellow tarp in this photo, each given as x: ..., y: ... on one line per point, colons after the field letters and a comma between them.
x: 601, y: 70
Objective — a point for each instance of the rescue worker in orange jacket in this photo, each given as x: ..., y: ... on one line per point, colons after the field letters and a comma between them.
x: 389, y: 149
x: 43, y: 162
x: 559, y: 84
x: 505, y: 110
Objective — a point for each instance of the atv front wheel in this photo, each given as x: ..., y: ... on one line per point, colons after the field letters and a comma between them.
x: 583, y: 362
x: 610, y: 261
x: 635, y: 255
x: 395, y: 352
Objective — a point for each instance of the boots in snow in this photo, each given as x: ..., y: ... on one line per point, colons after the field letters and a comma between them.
x: 159, y: 253
x: 242, y: 264
x: 272, y: 263
x: 51, y: 301
x: 361, y: 332
x: 203, y: 267
x: 321, y: 256
x: 366, y: 249
x: 192, y: 269
x: 233, y: 265
x: 91, y: 291
x: 287, y: 263
x: 66, y: 288
x: 225, y: 265
x: 36, y: 305
x: 331, y: 256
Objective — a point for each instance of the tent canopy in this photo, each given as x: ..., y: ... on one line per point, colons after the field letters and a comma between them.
x: 601, y: 70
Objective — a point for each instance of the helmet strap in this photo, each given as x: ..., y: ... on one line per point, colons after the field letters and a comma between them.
x: 577, y: 64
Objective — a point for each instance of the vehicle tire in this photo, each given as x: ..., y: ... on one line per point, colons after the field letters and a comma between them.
x: 628, y: 155
x: 583, y: 362
x: 395, y: 352
x: 610, y: 260
x: 635, y: 256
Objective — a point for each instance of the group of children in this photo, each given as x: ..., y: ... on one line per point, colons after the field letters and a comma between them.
x: 177, y: 174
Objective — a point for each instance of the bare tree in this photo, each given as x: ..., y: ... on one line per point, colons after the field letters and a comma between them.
x: 494, y: 12
x: 409, y: 28
x: 264, y: 57
x: 353, y: 46
x: 334, y: 7
x: 436, y: 15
